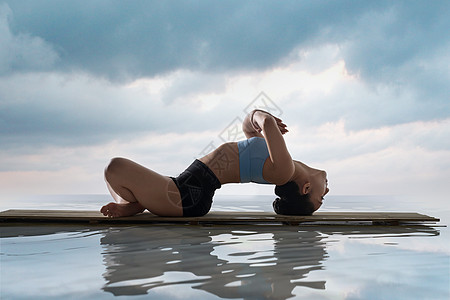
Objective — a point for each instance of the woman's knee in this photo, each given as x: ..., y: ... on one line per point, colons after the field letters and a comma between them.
x: 115, y: 166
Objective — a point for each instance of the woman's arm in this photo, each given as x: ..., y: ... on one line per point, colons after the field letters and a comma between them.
x: 273, y: 128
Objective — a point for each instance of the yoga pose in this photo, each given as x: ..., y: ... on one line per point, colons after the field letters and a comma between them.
x: 261, y: 158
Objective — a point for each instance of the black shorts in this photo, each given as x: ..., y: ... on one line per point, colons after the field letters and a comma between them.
x: 197, y: 185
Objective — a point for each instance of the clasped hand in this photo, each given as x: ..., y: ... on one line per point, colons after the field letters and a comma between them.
x: 251, y: 126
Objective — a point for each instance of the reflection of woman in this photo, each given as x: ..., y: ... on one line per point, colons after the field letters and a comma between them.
x: 262, y: 158
x: 211, y: 259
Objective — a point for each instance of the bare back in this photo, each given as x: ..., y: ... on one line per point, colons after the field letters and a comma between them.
x: 224, y: 162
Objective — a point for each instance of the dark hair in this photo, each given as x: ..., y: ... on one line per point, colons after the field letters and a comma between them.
x: 291, y: 202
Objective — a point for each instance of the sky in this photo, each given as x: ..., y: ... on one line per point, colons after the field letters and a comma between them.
x: 362, y: 85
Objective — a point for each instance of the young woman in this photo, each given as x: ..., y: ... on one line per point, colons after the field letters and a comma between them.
x: 261, y: 158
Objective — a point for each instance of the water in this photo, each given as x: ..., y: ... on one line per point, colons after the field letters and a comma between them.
x: 226, y: 262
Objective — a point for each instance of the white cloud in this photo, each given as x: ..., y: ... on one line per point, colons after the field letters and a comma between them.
x: 412, y: 158
x: 405, y: 159
x: 73, y: 180
x: 345, y: 114
x: 22, y: 51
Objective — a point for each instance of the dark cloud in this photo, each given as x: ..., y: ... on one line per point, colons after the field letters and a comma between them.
x: 403, y: 45
x: 390, y: 38
x: 388, y: 42
x: 41, y: 109
x: 121, y: 40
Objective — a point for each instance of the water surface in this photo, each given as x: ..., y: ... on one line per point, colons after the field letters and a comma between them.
x: 226, y: 262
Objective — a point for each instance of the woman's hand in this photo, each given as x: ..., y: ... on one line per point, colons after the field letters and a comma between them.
x: 281, y: 125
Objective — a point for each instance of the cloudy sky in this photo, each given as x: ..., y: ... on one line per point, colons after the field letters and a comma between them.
x: 362, y: 85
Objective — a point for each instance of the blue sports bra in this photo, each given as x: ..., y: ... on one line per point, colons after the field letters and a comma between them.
x: 252, y: 156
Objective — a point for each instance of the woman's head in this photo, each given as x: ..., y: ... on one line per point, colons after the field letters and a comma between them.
x: 311, y: 183
x: 291, y: 202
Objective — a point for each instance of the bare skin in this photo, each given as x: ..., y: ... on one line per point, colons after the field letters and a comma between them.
x: 115, y: 210
x: 136, y: 188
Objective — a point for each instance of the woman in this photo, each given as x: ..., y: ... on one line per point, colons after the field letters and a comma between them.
x: 262, y: 158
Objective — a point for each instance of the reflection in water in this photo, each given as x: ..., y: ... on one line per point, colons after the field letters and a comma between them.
x: 268, y: 263
x: 251, y: 262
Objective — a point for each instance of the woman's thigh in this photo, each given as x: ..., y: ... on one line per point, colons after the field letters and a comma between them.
x: 155, y: 192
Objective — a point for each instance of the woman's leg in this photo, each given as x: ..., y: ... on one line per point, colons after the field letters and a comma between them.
x: 136, y: 188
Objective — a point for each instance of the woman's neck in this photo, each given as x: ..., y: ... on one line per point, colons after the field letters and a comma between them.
x: 301, y: 174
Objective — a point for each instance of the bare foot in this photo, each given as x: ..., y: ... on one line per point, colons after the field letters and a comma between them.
x: 114, y: 210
